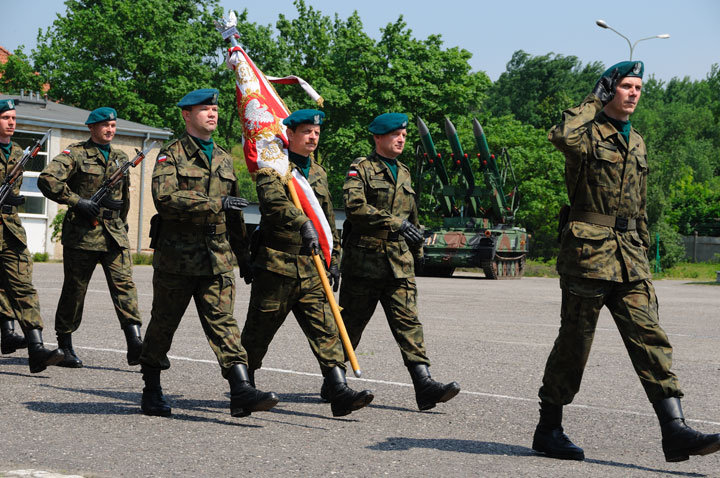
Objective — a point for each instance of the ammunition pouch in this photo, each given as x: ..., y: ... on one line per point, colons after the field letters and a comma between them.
x: 563, y: 218
x: 8, y: 209
x: 255, y: 243
x: 347, y: 230
x: 155, y: 223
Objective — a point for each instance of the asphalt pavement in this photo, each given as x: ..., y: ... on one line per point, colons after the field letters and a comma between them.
x: 493, y: 337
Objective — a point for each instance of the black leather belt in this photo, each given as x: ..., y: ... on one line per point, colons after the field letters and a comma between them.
x: 619, y: 223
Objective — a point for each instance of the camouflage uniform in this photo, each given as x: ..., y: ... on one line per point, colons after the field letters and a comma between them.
x: 602, y: 258
x: 377, y: 263
x: 15, y: 260
x: 286, y: 278
x: 76, y: 173
x: 194, y: 253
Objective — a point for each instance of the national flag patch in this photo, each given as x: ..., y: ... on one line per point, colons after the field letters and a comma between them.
x: 162, y: 159
x: 66, y: 151
x: 352, y: 173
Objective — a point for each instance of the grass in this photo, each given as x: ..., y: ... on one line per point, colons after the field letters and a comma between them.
x: 701, y: 271
x: 142, y: 259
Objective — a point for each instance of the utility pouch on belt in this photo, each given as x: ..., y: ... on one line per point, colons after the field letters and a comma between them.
x: 155, y: 223
x: 563, y: 217
x: 255, y: 242
x: 347, y: 230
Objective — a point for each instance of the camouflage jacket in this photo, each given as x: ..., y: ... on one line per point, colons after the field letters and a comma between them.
x: 10, y: 222
x: 375, y: 205
x: 281, y: 220
x: 196, y: 237
x: 78, y: 172
x: 606, y: 176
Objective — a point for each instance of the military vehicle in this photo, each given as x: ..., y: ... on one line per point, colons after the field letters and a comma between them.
x: 478, y: 228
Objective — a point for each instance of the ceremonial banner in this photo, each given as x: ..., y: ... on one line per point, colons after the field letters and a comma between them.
x: 264, y: 141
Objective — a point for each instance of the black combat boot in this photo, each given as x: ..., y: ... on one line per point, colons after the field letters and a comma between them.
x: 549, y: 437
x: 153, y: 402
x: 65, y: 345
x: 428, y: 392
x: 679, y: 440
x: 9, y: 340
x: 343, y: 399
x: 39, y: 358
x: 244, y: 398
x: 134, y: 344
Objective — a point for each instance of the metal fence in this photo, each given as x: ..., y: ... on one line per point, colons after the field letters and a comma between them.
x: 702, y: 248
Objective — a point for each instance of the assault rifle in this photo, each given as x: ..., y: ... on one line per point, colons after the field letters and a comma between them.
x: 16, y: 172
x: 117, y: 176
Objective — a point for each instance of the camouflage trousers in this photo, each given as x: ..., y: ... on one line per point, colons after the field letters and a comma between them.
x: 634, y: 308
x: 214, y: 299
x: 272, y: 298
x: 20, y: 299
x: 6, y: 309
x: 359, y: 298
x: 78, y: 267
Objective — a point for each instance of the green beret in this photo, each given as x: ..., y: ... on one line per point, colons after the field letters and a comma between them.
x: 6, y: 105
x: 204, y: 96
x: 388, y: 122
x: 304, y: 116
x: 627, y: 68
x: 101, y: 114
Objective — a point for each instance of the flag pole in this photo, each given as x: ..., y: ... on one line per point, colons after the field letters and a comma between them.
x: 330, y: 296
x: 228, y: 31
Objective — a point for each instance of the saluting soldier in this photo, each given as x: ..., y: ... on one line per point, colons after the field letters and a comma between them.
x: 199, y: 226
x: 603, y: 262
x: 285, y: 277
x: 93, y: 233
x: 16, y: 263
x: 383, y: 242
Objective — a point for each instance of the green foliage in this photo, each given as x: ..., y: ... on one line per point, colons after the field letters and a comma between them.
x: 142, y: 259
x: 139, y: 56
x: 17, y: 74
x: 41, y: 257
x: 535, y: 89
x: 672, y: 250
x: 56, y: 225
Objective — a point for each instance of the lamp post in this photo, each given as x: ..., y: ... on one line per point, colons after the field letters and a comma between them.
x: 602, y: 24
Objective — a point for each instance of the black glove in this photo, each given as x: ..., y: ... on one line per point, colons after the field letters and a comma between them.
x: 232, y: 203
x: 111, y: 204
x: 411, y: 233
x: 605, y: 87
x: 334, y: 277
x: 309, y: 235
x: 246, y: 270
x: 87, y: 208
x: 13, y: 200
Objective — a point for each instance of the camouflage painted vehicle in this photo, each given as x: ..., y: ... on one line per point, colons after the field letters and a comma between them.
x: 481, y: 231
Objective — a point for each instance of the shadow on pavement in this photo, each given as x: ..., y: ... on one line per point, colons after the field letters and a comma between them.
x: 452, y: 444
x: 129, y: 403
x: 493, y: 448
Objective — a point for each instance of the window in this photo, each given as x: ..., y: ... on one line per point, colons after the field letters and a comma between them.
x: 34, y: 200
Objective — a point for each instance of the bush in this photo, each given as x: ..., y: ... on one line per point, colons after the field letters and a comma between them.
x: 56, y: 225
x: 672, y: 250
x: 41, y: 257
x: 142, y: 259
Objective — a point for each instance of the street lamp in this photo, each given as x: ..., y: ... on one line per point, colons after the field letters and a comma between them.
x: 602, y: 24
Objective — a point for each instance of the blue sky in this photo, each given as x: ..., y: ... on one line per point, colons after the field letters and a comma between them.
x: 492, y: 30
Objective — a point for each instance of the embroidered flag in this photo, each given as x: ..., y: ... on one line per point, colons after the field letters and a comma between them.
x: 265, y: 144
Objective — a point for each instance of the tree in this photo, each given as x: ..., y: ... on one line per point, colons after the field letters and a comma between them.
x: 140, y: 57
x: 17, y: 74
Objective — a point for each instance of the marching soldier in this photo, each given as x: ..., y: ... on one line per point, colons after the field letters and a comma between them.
x: 93, y: 233
x: 381, y: 246
x: 16, y: 264
x: 198, y: 227
x: 603, y: 262
x: 285, y: 277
